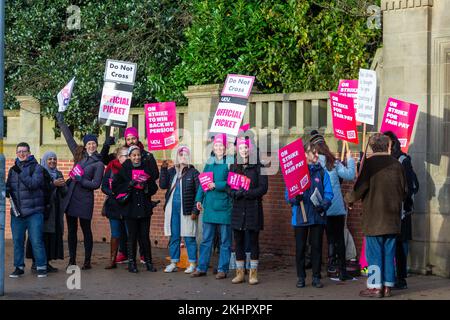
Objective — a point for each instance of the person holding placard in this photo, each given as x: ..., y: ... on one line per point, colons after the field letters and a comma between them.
x: 131, y: 137
x: 247, y: 215
x: 180, y: 210
x: 216, y: 205
x: 337, y: 212
x: 316, y: 201
x: 382, y: 187
x: 78, y: 204
x: 134, y: 186
x: 111, y: 208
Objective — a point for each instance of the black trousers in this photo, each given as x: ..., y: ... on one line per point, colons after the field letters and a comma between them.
x: 72, y: 230
x: 123, y: 248
x: 401, y: 258
x: 335, y: 235
x: 139, y: 230
x: 240, y: 241
x: 301, y: 236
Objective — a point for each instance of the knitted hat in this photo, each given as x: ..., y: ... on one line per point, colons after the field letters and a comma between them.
x: 131, y: 131
x: 89, y: 137
x: 247, y: 142
x: 221, y: 138
x: 130, y: 149
x: 184, y: 149
x: 316, y: 137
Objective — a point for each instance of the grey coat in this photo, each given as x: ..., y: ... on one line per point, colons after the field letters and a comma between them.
x: 56, y: 208
x: 79, y: 200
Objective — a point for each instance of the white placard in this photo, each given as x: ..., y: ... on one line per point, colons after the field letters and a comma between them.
x: 228, y: 118
x: 238, y: 86
x: 115, y: 105
x: 367, y: 94
x: 64, y: 96
x: 120, y: 71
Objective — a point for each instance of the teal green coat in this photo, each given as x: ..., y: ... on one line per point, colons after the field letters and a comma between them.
x: 216, y: 203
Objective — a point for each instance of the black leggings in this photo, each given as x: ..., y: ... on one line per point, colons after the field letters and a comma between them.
x: 239, y: 239
x: 124, y: 240
x: 335, y: 236
x: 139, y: 230
x: 72, y: 228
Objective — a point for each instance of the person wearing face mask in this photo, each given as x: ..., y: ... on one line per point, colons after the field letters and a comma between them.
x: 136, y: 182
x: 78, y: 204
x: 315, y: 218
x: 180, y: 210
x: 216, y: 205
x: 247, y: 216
x: 131, y: 137
x: 111, y: 209
x: 54, y: 225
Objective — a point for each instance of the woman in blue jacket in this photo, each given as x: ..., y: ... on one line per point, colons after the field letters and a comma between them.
x: 315, y: 218
x: 337, y: 212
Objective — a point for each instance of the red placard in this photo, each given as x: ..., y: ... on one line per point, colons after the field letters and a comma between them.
x: 343, y: 114
x: 161, y: 125
x: 294, y: 168
x: 399, y: 117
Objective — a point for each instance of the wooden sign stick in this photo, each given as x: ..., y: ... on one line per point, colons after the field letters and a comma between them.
x: 343, y: 150
x: 302, y: 206
x: 111, y: 131
x: 364, y: 135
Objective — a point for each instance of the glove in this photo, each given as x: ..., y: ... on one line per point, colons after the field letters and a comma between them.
x: 78, y: 178
x: 239, y: 194
x: 109, y: 141
x: 133, y: 183
x: 17, y: 169
x: 165, y: 164
x: 299, y: 198
x: 60, y: 117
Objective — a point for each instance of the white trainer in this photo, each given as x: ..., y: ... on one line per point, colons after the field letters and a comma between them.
x: 190, y: 269
x: 171, y: 268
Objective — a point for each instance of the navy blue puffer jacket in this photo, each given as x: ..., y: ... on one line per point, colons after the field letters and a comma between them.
x: 27, y: 187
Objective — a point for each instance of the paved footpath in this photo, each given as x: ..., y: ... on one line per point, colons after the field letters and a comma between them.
x: 277, y: 281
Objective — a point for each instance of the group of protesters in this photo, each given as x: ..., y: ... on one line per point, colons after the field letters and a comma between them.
x: 40, y: 197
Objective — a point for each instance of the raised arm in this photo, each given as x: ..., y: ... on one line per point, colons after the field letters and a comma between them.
x: 71, y: 143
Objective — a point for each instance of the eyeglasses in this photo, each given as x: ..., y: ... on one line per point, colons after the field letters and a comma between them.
x: 22, y: 151
x: 123, y: 155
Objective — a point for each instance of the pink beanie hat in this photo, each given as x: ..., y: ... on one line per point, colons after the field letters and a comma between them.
x: 131, y: 131
x: 247, y: 142
x: 220, y: 138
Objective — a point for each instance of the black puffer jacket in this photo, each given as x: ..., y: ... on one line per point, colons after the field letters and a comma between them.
x: 139, y: 204
x: 112, y: 208
x: 190, y: 185
x: 247, y: 210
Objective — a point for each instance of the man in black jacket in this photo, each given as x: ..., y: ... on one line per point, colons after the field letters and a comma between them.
x: 26, y: 190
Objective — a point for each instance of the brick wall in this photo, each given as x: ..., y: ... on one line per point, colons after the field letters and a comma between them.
x: 276, y: 238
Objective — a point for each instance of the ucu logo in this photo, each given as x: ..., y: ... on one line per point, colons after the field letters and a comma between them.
x: 155, y: 141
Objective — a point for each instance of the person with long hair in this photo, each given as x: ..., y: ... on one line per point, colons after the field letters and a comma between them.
x: 111, y: 208
x: 180, y: 210
x: 247, y: 218
x: 315, y: 215
x: 131, y: 137
x: 216, y: 205
x: 136, y: 182
x: 337, y: 212
x: 78, y: 204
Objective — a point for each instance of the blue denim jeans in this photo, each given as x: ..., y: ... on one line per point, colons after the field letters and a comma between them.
x: 175, y: 231
x: 380, y: 253
x: 116, y: 227
x: 209, y: 230
x: 35, y: 226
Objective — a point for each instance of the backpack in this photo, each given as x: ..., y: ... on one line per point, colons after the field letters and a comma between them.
x: 47, y: 189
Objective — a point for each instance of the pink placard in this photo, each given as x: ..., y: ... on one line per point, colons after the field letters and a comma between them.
x: 161, y: 125
x: 205, y: 178
x: 139, y: 175
x: 399, y: 117
x: 77, y: 170
x: 294, y: 168
x: 349, y: 88
x: 343, y: 115
x: 234, y: 180
x: 245, y: 183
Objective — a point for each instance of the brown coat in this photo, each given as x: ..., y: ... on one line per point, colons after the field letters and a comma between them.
x: 382, y: 188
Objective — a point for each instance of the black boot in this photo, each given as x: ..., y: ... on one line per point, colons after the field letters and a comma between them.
x: 132, y: 267
x: 86, y: 265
